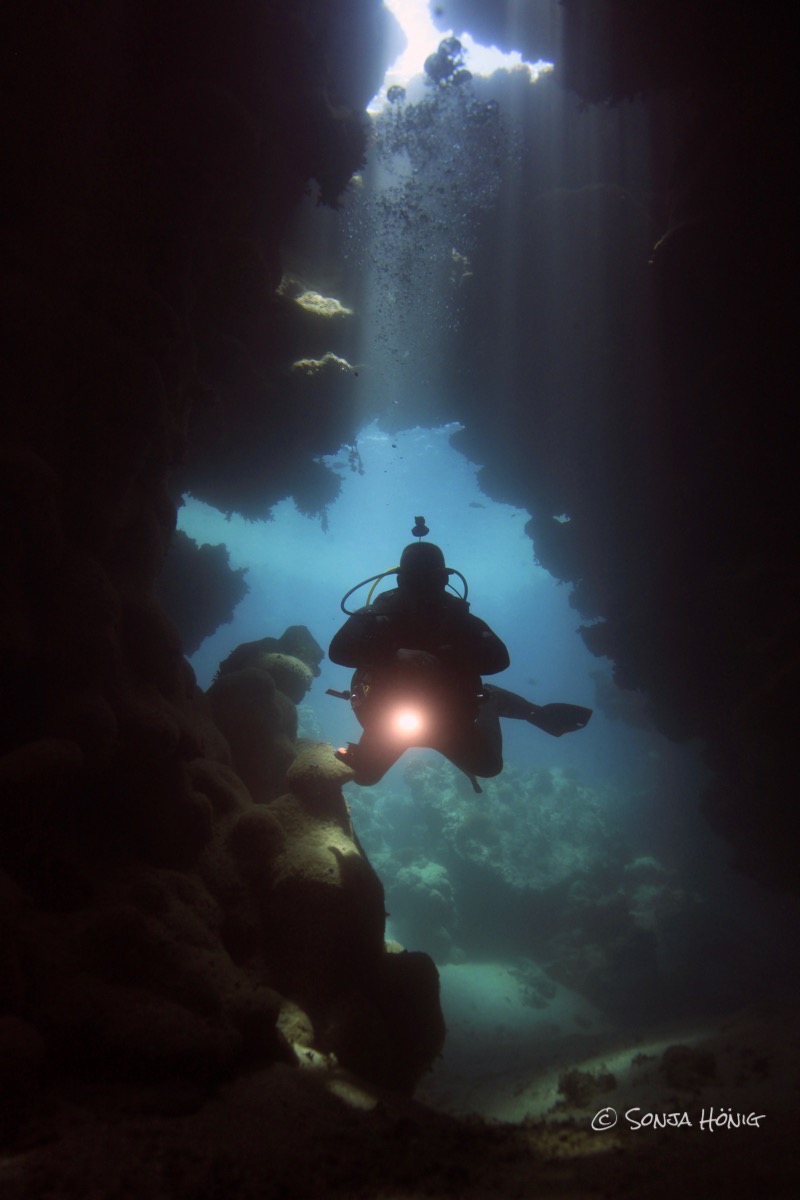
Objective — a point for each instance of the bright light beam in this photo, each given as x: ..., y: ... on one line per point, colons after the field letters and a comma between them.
x: 423, y: 37
x: 407, y: 722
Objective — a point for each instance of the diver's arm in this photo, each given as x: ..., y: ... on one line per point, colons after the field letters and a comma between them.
x: 486, y: 653
x: 492, y: 653
x: 361, y: 641
x: 349, y: 646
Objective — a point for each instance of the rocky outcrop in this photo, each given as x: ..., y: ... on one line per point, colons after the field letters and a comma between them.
x: 203, y: 906
x: 165, y: 851
x: 199, y: 589
x: 636, y: 375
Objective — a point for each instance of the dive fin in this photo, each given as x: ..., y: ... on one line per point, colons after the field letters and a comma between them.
x: 556, y: 719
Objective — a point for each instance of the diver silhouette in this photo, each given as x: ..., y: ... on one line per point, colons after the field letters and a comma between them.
x: 420, y: 656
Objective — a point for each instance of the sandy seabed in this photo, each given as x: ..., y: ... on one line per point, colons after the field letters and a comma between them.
x: 560, y: 1107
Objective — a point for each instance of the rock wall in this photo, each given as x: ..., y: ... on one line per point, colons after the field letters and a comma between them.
x: 641, y: 371
x: 173, y: 904
x: 154, y: 156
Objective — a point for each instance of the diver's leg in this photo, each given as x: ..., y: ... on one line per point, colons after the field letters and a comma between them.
x: 555, y: 719
x: 507, y: 704
x: 479, y: 749
x: 369, y: 759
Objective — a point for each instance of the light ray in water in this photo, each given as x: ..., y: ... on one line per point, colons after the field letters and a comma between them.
x: 423, y: 38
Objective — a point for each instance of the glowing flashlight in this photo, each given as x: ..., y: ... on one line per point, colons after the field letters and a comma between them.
x: 407, y: 721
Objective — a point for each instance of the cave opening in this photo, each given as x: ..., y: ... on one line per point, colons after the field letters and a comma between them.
x: 560, y: 314
x: 473, y: 196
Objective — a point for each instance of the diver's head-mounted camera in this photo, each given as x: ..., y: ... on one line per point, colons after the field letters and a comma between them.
x: 419, y: 561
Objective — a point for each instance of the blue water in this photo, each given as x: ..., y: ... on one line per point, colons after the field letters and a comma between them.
x: 298, y: 572
x: 642, y: 792
x: 646, y: 904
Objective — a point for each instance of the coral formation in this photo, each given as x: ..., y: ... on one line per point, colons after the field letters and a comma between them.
x: 539, y: 870
x: 317, y: 366
x: 422, y: 902
x: 323, y: 306
x: 231, y: 903
x: 533, y: 829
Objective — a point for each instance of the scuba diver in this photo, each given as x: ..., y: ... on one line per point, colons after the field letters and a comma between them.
x: 420, y: 656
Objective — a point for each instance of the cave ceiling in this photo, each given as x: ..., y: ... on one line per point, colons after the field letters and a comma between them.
x: 159, y: 163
